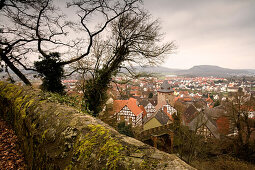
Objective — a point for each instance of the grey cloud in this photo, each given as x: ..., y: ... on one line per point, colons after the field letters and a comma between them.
x: 222, y: 30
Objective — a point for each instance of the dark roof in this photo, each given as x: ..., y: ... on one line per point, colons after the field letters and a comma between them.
x: 200, y: 103
x: 204, y: 119
x: 143, y: 102
x: 165, y: 87
x: 154, y: 102
x: 160, y: 116
x: 190, y: 113
x: 216, y: 111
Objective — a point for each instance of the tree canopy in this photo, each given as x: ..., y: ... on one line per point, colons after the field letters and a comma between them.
x: 101, y: 36
x: 39, y: 28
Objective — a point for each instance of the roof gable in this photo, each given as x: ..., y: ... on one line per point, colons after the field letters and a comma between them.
x: 160, y: 116
x: 118, y: 105
x: 203, y: 119
x: 143, y: 109
x: 131, y: 104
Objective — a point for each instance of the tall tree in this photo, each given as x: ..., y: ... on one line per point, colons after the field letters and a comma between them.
x: 41, y: 27
x: 239, y: 110
x: 13, y: 39
x: 134, y: 38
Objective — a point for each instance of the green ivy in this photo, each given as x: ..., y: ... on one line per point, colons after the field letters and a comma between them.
x: 52, y: 72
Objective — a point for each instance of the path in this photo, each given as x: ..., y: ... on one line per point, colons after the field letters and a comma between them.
x: 10, y: 157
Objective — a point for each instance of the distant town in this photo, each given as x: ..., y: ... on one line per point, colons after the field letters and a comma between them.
x: 127, y: 84
x: 149, y: 103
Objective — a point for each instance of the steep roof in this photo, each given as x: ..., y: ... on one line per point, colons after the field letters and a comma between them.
x: 160, y: 116
x: 203, y: 119
x: 131, y: 104
x: 154, y: 102
x: 190, y: 113
x: 168, y: 114
x: 118, y: 105
x: 143, y: 102
x: 216, y: 111
x: 165, y: 87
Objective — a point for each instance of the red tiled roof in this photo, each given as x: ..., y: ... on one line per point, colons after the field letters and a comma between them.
x: 187, y: 99
x: 118, y: 105
x: 134, y: 92
x: 131, y: 104
x: 176, y: 98
x: 184, y: 92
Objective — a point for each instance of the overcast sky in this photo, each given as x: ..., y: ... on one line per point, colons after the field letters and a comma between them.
x: 208, y: 32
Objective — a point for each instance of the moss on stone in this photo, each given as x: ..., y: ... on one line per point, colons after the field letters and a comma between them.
x: 99, y: 142
x: 55, y: 136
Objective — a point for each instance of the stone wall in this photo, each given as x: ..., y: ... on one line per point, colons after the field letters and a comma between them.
x: 55, y: 136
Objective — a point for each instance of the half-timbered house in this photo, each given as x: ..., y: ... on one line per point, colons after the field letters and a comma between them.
x: 128, y: 111
x: 203, y: 125
x: 149, y: 108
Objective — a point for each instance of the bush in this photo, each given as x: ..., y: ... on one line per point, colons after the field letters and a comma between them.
x: 125, y: 129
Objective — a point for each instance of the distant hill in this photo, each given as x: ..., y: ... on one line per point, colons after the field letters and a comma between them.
x: 210, y: 70
x: 158, y: 69
x: 251, y: 70
x: 200, y: 70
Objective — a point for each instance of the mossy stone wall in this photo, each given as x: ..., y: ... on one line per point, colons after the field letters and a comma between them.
x: 55, y: 136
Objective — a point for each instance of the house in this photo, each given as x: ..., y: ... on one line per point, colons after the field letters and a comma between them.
x: 159, y: 118
x: 168, y: 108
x: 204, y: 126
x: 144, y: 112
x: 149, y: 107
x: 128, y: 111
x: 223, y: 125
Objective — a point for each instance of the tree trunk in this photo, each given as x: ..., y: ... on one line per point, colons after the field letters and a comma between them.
x: 15, y: 69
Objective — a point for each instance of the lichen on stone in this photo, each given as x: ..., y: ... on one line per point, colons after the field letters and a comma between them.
x: 102, y: 145
x: 55, y: 136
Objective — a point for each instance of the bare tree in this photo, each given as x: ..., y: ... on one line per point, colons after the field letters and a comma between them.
x: 41, y: 27
x: 14, y: 39
x: 239, y: 110
x: 134, y: 39
x: 26, y: 24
